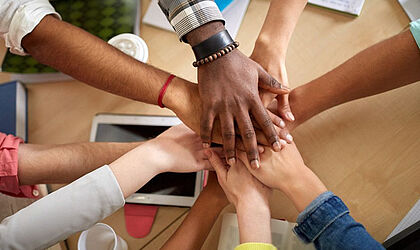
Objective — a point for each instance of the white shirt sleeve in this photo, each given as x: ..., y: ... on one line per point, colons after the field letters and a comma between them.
x: 71, y: 209
x: 19, y: 18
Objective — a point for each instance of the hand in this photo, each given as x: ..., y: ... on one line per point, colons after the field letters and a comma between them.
x: 184, y: 99
x: 249, y: 196
x: 237, y: 182
x: 275, y: 64
x: 229, y: 92
x: 287, y: 172
x: 178, y: 149
x: 279, y: 169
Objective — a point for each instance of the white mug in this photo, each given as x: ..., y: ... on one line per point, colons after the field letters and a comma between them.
x: 101, y: 237
x: 131, y: 45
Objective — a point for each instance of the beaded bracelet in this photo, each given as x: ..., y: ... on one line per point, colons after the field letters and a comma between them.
x: 216, y: 55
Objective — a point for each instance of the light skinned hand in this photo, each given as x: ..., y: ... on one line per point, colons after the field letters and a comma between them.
x: 279, y: 168
x: 276, y: 67
x: 287, y: 172
x: 237, y: 182
x: 178, y: 149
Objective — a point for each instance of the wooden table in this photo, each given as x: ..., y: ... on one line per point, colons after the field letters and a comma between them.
x: 366, y: 151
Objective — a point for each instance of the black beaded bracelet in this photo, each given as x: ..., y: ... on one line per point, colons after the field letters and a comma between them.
x: 216, y: 55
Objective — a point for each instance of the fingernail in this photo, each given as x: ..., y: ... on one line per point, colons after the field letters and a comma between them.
x: 207, y: 152
x: 290, y: 116
x: 206, y: 145
x: 255, y: 164
x: 283, y: 142
x: 261, y: 149
x: 289, y: 137
x: 282, y: 124
x: 232, y: 161
x: 276, y: 146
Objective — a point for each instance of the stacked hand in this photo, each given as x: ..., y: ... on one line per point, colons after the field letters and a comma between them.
x: 228, y: 88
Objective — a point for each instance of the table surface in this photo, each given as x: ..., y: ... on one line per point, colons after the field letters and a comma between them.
x: 366, y: 151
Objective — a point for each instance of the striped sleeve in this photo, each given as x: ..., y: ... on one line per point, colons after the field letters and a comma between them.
x: 187, y: 15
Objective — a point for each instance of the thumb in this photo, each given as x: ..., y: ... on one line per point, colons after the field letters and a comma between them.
x: 217, y: 164
x: 266, y: 81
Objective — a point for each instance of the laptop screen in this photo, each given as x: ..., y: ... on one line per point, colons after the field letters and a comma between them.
x: 179, y: 184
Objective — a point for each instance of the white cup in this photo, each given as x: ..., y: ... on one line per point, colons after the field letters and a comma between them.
x: 131, y: 45
x: 101, y: 237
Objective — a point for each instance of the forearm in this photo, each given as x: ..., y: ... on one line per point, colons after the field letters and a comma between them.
x: 254, y: 221
x: 65, y: 163
x: 195, y: 228
x: 390, y: 64
x: 279, y: 24
x: 91, y: 60
x: 303, y: 188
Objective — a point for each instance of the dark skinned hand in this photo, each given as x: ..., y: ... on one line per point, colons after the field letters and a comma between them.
x: 228, y: 89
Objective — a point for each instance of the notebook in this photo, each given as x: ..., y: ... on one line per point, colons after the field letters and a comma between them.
x: 233, y: 13
x: 281, y: 234
x: 412, y: 8
x: 104, y: 19
x: 13, y: 109
x: 352, y: 7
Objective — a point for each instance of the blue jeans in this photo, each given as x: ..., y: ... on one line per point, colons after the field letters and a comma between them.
x: 327, y: 223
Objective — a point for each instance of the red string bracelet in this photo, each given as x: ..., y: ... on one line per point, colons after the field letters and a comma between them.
x: 163, y: 90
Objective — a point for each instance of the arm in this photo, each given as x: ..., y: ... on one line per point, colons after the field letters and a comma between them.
x: 89, y: 59
x: 65, y: 163
x: 100, y: 193
x: 323, y: 219
x: 253, y: 220
x: 272, y: 43
x: 387, y: 65
x: 228, y: 86
x: 193, y: 231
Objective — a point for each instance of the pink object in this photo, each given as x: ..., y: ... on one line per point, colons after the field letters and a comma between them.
x: 205, y: 178
x: 9, y: 181
x: 139, y: 219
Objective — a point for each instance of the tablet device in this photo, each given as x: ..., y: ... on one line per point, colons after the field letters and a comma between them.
x: 174, y: 189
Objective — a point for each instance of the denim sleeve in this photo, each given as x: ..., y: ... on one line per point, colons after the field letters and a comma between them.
x: 327, y: 223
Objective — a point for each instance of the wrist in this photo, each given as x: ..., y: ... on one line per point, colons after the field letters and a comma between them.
x: 303, y: 188
x: 254, y: 222
x: 203, y: 32
x: 178, y: 94
x: 246, y: 204
x: 275, y: 52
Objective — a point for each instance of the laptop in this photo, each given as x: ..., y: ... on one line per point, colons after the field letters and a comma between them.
x: 172, y: 189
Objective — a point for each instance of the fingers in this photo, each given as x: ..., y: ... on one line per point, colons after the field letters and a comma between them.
x: 206, y: 128
x: 276, y: 120
x: 266, y: 81
x: 248, y: 138
x: 228, y: 136
x: 283, y: 107
x: 217, y: 165
x: 285, y: 136
x: 264, y: 120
